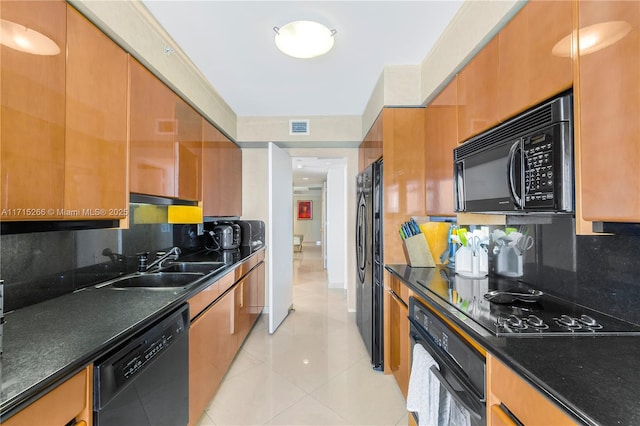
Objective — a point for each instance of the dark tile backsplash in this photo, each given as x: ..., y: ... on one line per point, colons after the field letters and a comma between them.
x: 39, y: 266
x: 600, y: 272
x: 597, y: 271
x: 42, y: 265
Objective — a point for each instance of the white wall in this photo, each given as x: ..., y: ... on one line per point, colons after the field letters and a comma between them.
x: 310, y: 229
x: 255, y: 193
x: 337, y: 227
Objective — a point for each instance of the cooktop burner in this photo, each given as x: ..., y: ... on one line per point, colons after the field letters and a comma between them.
x: 525, y: 316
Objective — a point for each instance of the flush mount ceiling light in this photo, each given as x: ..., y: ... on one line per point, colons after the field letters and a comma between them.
x: 593, y: 38
x: 25, y: 39
x: 304, y: 39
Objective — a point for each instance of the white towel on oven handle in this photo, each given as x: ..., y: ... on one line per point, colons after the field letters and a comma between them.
x: 423, y: 396
x: 457, y: 414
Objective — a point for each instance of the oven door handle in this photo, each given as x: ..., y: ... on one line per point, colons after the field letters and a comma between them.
x: 453, y: 393
x: 443, y: 359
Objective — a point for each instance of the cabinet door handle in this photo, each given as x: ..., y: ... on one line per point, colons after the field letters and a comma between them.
x: 396, y: 297
x: 500, y: 417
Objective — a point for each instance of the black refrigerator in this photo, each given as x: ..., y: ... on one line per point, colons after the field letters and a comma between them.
x: 369, y: 285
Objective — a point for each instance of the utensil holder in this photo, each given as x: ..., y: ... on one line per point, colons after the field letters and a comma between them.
x: 417, y: 253
x: 509, y: 262
x: 472, y: 265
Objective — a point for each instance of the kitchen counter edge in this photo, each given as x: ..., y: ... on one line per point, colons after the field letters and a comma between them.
x: 30, y: 392
x: 518, y: 353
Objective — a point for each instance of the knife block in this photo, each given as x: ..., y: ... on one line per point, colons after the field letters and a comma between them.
x: 417, y: 253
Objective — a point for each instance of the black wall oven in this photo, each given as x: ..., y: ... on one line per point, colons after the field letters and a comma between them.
x: 523, y: 165
x: 459, y: 368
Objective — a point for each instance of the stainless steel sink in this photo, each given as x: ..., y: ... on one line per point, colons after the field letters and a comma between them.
x: 157, y: 280
x: 201, y: 267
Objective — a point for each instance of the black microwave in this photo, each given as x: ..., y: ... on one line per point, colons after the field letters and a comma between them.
x: 524, y: 165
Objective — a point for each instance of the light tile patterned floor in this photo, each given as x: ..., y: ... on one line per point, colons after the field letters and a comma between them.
x: 314, y: 370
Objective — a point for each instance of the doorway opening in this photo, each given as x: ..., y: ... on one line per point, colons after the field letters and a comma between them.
x: 320, y: 210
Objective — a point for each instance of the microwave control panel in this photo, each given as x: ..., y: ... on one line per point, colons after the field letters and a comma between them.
x: 539, y: 171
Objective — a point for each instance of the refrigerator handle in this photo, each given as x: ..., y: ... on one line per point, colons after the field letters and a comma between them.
x: 360, y: 236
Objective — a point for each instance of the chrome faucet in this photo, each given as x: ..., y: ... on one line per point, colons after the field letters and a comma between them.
x: 142, y: 259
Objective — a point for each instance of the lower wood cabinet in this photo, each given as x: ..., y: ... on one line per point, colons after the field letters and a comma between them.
x: 400, y: 358
x: 212, y: 346
x: 69, y: 403
x: 396, y: 324
x: 218, y: 329
x: 505, y: 389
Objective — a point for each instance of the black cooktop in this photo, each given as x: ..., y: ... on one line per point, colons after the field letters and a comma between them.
x: 532, y: 315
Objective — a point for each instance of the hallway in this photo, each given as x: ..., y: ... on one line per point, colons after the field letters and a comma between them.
x: 314, y: 370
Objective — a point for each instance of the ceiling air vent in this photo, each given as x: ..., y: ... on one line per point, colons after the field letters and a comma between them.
x: 298, y: 127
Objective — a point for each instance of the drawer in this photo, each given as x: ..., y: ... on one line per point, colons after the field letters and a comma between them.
x: 200, y: 301
x: 525, y: 402
x: 71, y: 400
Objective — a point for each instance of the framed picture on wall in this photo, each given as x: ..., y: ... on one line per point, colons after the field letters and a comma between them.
x: 304, y: 210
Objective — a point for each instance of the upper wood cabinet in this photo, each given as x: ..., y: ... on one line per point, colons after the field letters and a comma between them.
x: 33, y: 116
x: 404, y: 177
x: 152, y: 134
x: 477, y: 93
x: 222, y: 174
x: 189, y: 152
x: 370, y: 149
x: 165, y: 140
x: 441, y: 136
x: 96, y: 123
x: 528, y: 69
x: 609, y: 113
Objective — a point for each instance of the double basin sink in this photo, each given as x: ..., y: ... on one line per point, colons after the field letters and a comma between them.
x: 171, y: 276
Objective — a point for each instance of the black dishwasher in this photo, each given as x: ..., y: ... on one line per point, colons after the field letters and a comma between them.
x: 145, y: 381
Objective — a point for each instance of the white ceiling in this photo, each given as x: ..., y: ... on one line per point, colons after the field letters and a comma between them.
x: 232, y: 44
x: 311, y: 172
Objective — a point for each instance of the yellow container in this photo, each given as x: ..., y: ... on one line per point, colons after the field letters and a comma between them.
x: 185, y: 214
x: 437, y: 234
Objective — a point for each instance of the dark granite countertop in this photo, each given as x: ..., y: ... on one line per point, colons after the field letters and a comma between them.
x: 47, y: 342
x: 594, y: 378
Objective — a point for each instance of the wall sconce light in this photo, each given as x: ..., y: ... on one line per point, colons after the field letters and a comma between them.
x: 304, y: 39
x: 26, y: 40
